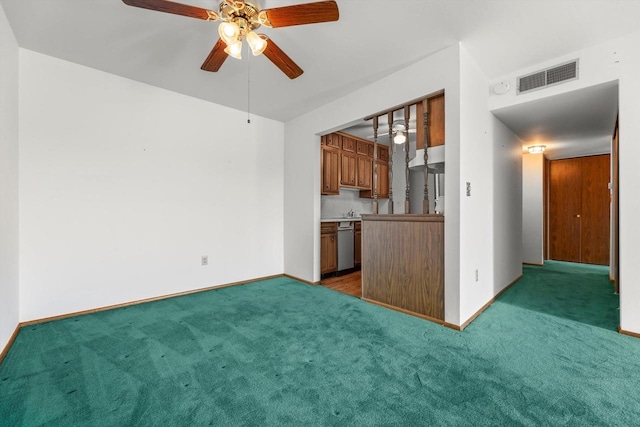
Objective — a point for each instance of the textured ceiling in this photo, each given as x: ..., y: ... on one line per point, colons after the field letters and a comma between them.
x: 373, y: 38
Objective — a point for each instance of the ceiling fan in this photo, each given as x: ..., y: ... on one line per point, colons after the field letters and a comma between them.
x: 240, y: 19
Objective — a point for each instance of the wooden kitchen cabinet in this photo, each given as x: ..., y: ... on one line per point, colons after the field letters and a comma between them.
x: 348, y: 169
x: 383, y: 153
x: 348, y: 144
x: 333, y: 140
x: 382, y: 185
x: 330, y: 168
x: 357, y: 244
x: 347, y: 161
x: 365, y: 172
x: 328, y: 247
x: 435, y: 121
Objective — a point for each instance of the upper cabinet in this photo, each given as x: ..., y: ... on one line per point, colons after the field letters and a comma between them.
x: 433, y: 109
x: 333, y: 140
x: 348, y: 169
x: 330, y: 167
x: 350, y: 165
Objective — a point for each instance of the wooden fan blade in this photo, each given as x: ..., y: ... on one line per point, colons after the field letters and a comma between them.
x: 281, y: 59
x: 300, y: 14
x: 175, y: 8
x: 216, y: 57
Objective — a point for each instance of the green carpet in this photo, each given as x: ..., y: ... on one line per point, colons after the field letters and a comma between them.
x: 280, y: 352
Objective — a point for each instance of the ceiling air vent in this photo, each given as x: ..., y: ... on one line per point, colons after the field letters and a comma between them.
x: 551, y: 76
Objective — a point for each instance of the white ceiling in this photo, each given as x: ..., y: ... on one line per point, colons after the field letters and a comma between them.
x: 373, y: 38
x: 572, y: 124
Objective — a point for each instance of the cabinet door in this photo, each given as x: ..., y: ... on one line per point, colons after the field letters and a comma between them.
x: 328, y: 253
x: 334, y: 140
x: 330, y: 171
x: 383, y: 181
x: 362, y: 147
x: 365, y: 172
x: 348, y: 169
x: 348, y: 144
x: 383, y: 153
x: 436, y: 121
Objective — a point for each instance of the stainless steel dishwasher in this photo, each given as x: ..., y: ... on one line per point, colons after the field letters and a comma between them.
x: 345, y: 245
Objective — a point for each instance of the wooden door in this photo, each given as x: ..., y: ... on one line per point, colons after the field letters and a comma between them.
x: 595, y: 231
x: 579, y: 210
x: 565, y: 205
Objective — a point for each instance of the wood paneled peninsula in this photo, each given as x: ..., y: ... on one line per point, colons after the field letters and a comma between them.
x: 403, y: 263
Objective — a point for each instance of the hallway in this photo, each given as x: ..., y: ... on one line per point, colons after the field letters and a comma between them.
x: 581, y: 293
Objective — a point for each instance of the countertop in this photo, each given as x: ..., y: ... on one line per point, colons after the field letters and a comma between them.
x: 342, y: 219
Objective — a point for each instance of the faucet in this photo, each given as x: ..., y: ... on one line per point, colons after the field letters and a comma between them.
x: 351, y: 213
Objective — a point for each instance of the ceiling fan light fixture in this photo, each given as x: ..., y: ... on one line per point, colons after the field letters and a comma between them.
x: 536, y: 149
x: 229, y: 32
x: 256, y: 43
x: 234, y: 49
x: 400, y: 138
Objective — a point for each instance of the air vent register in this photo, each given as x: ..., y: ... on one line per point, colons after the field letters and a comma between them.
x: 552, y: 76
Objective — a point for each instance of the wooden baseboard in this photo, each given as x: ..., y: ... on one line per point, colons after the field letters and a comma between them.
x: 533, y: 263
x: 142, y: 301
x: 12, y: 338
x: 452, y: 326
x: 629, y: 333
x: 401, y: 310
x: 491, y: 301
x: 301, y: 280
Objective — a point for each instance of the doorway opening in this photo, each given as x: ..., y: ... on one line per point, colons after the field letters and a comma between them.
x: 570, y: 191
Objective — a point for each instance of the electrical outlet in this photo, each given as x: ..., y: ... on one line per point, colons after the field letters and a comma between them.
x: 476, y: 274
x: 468, y: 189
x: 205, y: 260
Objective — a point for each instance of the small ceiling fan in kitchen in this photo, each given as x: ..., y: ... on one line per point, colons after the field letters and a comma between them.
x: 239, y: 20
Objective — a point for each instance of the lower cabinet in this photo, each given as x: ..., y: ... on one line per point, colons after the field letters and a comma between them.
x: 328, y: 247
x: 357, y: 244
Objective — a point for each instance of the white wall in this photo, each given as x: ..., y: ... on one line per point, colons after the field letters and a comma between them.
x: 491, y: 217
x: 9, y: 290
x: 532, y: 208
x: 507, y: 209
x: 302, y: 161
x: 617, y: 59
x: 123, y: 187
x: 629, y: 179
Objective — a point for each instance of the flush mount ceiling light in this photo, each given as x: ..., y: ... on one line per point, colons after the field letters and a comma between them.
x: 400, y: 137
x: 536, y: 149
x: 240, y: 19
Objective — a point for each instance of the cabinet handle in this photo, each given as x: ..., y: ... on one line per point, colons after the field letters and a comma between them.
x: 578, y: 216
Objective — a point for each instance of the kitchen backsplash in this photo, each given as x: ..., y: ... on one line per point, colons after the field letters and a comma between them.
x: 338, y: 205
